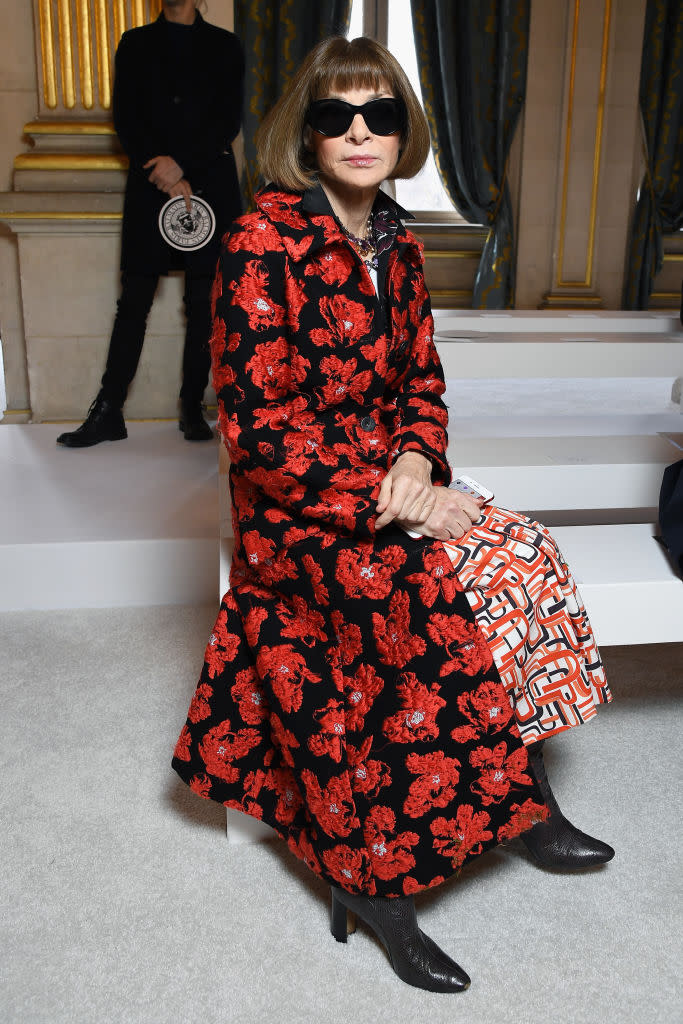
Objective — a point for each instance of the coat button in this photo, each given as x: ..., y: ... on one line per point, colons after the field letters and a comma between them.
x: 367, y: 423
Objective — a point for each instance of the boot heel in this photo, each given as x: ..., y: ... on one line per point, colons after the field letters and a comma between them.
x: 342, y: 921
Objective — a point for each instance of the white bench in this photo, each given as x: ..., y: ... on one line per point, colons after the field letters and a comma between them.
x: 522, y: 343
x: 627, y: 582
x: 569, y: 474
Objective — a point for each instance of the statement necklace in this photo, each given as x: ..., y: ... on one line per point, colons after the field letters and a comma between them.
x: 366, y: 247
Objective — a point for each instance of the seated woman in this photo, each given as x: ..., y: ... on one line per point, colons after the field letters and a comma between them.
x: 379, y: 699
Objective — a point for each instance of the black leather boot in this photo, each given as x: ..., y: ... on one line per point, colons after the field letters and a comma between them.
x: 555, y: 842
x: 193, y: 424
x: 104, y: 422
x: 413, y: 955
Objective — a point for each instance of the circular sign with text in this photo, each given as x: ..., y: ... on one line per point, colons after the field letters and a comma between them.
x: 187, y: 229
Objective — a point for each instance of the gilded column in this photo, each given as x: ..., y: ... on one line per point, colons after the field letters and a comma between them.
x: 77, y: 43
x: 73, y: 141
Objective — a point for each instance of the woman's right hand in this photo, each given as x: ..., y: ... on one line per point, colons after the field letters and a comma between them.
x: 453, y: 515
x: 182, y: 188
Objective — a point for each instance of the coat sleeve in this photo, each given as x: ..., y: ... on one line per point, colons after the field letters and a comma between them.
x: 221, y: 117
x: 423, y: 415
x: 273, y: 438
x: 129, y: 84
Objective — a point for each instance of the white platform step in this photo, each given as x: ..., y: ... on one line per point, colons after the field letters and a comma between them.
x: 550, y: 344
x: 134, y: 522
x: 626, y: 581
x: 568, y: 472
x: 549, y: 321
x: 113, y: 574
x: 546, y: 356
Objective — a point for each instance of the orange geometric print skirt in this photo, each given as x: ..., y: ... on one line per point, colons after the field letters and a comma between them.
x: 529, y: 609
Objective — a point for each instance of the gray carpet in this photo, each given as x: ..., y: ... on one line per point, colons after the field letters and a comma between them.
x: 122, y: 902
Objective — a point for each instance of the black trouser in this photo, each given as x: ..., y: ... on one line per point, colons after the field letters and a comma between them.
x: 128, y: 334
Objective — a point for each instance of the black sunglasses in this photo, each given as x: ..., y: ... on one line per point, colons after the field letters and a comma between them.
x: 334, y: 117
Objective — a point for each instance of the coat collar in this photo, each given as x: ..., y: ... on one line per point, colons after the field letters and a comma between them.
x: 308, y: 216
x: 161, y: 21
x: 315, y: 201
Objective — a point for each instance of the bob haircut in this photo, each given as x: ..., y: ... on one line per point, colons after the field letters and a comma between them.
x: 336, y: 65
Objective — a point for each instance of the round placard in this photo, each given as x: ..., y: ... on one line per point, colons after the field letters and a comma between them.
x: 187, y: 229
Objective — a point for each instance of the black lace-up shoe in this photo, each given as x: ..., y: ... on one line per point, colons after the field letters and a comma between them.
x: 193, y: 424
x: 104, y: 422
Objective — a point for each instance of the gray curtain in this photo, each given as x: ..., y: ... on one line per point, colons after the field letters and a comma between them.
x: 472, y: 56
x: 659, y: 208
x: 277, y: 35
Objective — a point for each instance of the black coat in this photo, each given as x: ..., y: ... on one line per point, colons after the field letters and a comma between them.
x: 178, y: 92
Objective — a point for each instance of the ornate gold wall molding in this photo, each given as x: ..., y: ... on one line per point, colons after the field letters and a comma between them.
x: 587, y: 281
x: 452, y: 298
x: 452, y: 254
x: 38, y: 128
x: 71, y: 162
x: 584, y: 112
x: 65, y: 215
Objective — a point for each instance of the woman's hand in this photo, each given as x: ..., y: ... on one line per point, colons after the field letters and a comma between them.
x: 166, y: 172
x: 452, y: 515
x: 406, y: 491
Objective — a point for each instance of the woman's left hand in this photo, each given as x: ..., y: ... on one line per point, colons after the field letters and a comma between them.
x: 165, y: 172
x: 406, y: 491
x: 453, y: 515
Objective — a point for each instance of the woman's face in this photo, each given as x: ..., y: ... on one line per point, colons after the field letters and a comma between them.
x: 357, y: 159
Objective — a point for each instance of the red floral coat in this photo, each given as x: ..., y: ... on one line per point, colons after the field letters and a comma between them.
x: 347, y: 698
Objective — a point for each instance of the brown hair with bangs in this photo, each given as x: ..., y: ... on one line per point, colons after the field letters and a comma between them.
x: 335, y: 65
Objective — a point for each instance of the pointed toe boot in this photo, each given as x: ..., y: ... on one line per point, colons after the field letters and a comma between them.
x: 555, y: 842
x: 414, y: 957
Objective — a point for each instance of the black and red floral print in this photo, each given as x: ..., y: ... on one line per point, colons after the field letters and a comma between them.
x: 348, y: 697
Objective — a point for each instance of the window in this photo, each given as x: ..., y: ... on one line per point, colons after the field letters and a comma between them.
x: 452, y: 246
x: 393, y: 26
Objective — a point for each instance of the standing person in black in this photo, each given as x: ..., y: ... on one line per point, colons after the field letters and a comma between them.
x: 178, y: 93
